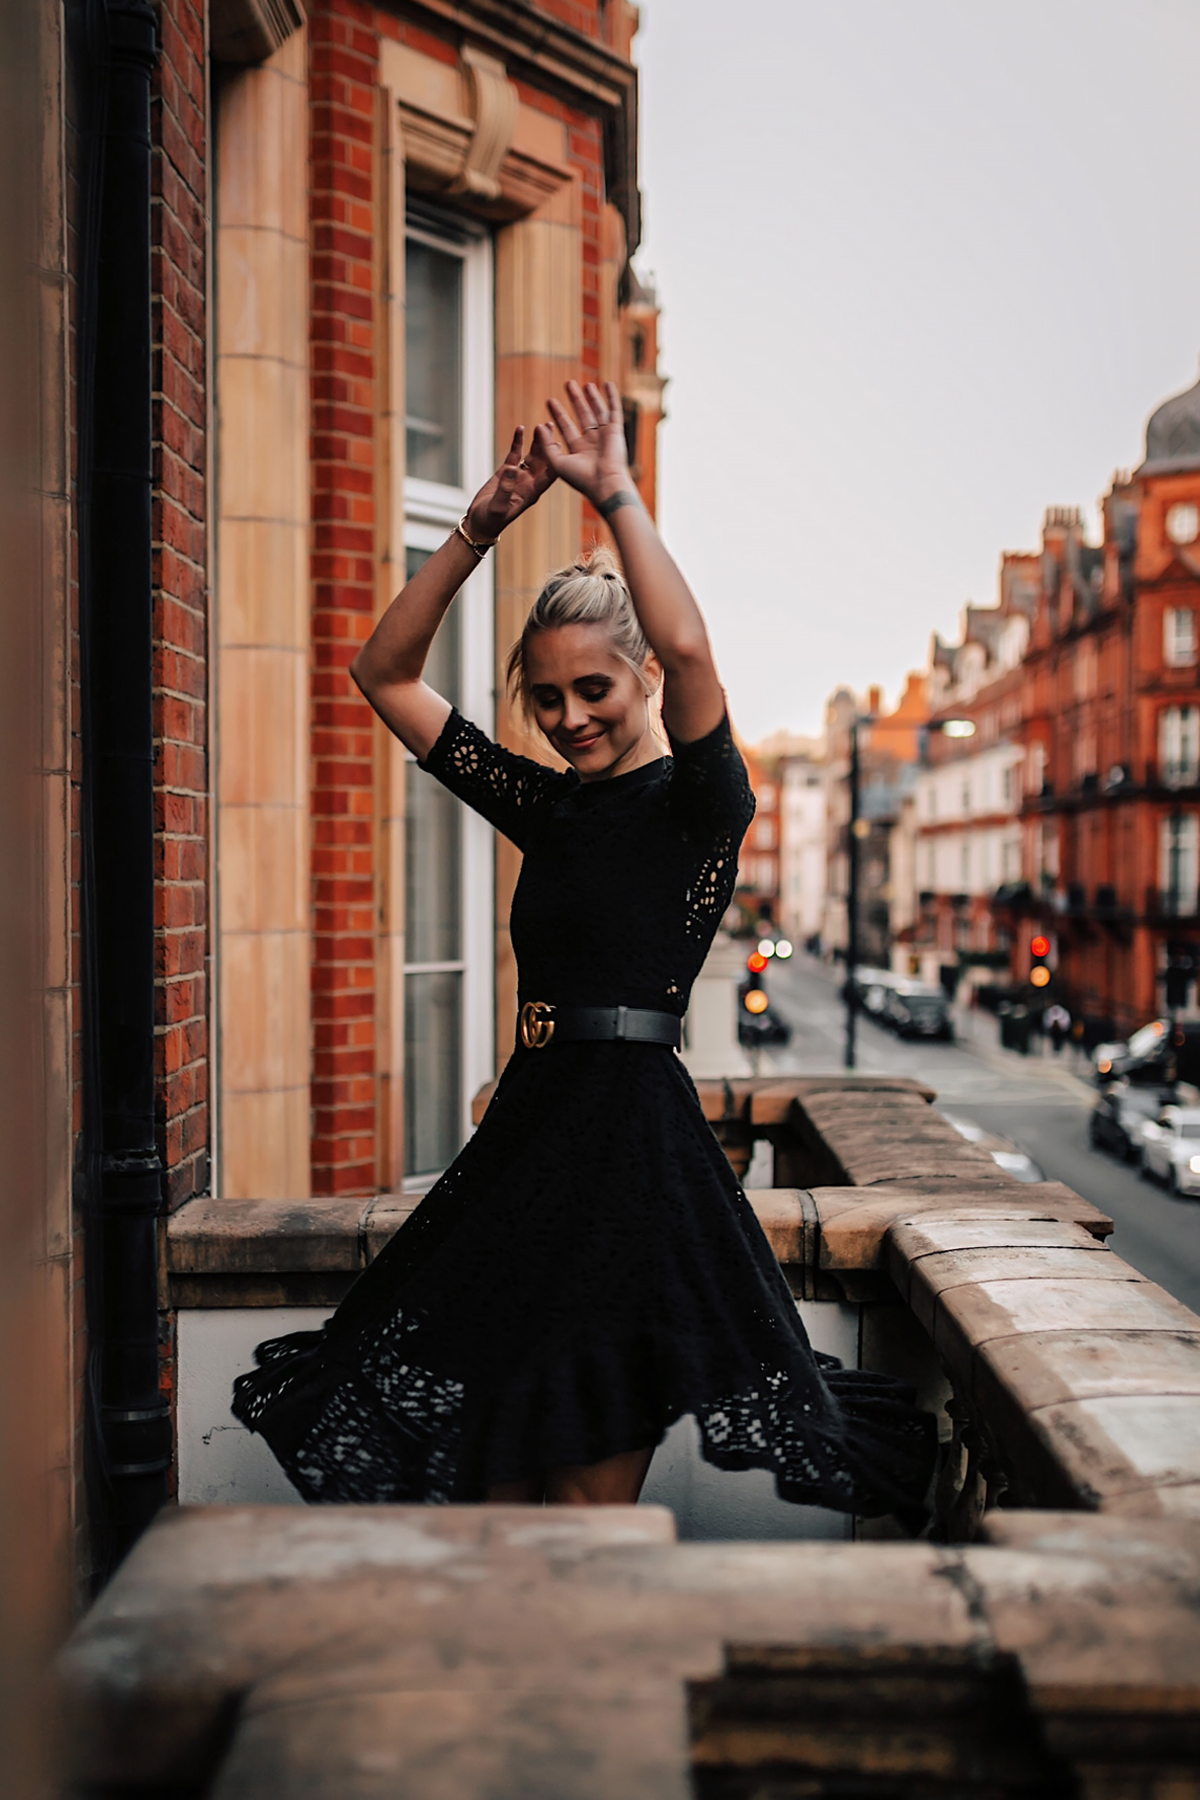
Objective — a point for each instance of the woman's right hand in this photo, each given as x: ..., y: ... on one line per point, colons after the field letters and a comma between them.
x: 518, y: 484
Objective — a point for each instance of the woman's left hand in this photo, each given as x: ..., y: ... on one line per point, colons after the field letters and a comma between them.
x: 518, y: 484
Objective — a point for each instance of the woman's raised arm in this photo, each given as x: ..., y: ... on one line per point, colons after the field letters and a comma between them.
x: 388, y: 667
x: 589, y: 455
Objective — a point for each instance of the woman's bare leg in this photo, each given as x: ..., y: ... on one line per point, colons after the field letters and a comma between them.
x: 614, y: 1482
x: 518, y: 1493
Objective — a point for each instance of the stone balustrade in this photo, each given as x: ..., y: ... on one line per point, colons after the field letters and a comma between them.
x: 1066, y: 1378
x: 1045, y: 1643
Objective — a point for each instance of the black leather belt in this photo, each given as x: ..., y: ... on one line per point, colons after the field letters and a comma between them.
x: 542, y: 1024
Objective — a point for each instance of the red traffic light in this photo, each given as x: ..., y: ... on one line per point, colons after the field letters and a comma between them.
x: 756, y: 962
x: 1039, y: 946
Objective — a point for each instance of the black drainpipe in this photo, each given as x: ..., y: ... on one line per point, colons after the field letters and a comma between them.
x: 130, y: 1419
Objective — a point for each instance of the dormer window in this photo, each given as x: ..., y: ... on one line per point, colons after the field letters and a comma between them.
x: 1179, y: 637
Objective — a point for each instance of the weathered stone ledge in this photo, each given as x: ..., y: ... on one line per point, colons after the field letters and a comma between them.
x: 1075, y: 1381
x: 581, y: 1654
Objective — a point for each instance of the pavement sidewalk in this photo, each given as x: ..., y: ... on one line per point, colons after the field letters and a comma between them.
x: 979, y: 1032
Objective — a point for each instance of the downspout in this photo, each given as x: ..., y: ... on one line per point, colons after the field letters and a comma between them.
x: 131, y: 1425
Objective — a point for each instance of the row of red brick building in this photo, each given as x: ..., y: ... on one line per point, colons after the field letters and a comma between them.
x: 1071, y: 815
x: 1077, y: 818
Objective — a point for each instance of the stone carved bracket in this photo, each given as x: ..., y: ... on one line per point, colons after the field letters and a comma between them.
x: 248, y: 31
x: 495, y: 105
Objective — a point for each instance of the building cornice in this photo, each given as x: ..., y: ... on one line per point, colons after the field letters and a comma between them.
x: 565, y: 62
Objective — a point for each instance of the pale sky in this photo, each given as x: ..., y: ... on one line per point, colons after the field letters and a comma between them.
x: 925, y: 267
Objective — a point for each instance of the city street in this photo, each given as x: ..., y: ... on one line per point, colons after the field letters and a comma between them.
x: 1038, y: 1104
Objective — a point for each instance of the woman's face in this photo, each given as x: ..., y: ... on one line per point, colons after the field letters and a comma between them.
x: 588, y: 701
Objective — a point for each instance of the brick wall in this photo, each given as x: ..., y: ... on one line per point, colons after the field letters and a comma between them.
x: 342, y: 83
x: 179, y: 127
x: 581, y: 15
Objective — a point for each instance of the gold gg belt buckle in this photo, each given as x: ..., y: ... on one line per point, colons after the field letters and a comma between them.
x: 537, y: 1024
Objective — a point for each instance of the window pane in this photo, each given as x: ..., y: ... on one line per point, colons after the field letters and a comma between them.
x: 433, y: 870
x: 433, y: 364
x: 432, y: 1072
x: 442, y: 665
x: 1179, y: 854
x: 433, y: 823
x: 1179, y: 636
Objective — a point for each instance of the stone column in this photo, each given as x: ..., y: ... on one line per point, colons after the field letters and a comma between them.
x: 261, y: 725
x: 539, y: 310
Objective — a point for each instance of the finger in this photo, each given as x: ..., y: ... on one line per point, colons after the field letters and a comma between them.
x: 614, y: 401
x: 516, y: 448
x: 548, y: 447
x: 595, y: 400
x: 564, y: 423
x: 580, y: 407
x: 540, y: 466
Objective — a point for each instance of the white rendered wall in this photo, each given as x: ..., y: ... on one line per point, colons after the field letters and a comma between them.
x: 711, y: 1045
x: 221, y: 1463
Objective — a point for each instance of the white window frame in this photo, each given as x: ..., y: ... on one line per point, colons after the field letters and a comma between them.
x: 430, y: 511
x: 1179, y: 745
x: 1179, y: 640
x: 1179, y: 843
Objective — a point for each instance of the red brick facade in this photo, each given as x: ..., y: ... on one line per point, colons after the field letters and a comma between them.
x: 1099, y: 679
x: 181, y: 585
x: 343, y: 60
x: 346, y: 360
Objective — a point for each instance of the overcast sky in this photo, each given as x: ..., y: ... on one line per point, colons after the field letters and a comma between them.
x: 925, y: 267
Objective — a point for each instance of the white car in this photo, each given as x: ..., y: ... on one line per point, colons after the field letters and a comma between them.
x: 1171, y: 1148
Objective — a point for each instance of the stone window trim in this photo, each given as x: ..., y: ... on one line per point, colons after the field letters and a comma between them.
x: 470, y: 141
x: 583, y: 72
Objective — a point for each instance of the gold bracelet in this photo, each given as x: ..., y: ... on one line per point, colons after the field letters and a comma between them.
x: 480, y: 546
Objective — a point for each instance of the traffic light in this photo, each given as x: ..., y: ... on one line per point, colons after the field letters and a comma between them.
x: 754, y: 994
x: 1039, y: 952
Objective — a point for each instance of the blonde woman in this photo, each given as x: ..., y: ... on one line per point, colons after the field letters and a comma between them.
x: 588, y: 1269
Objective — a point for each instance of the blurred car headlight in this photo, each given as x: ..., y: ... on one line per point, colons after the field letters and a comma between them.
x: 1194, y: 1164
x: 1104, y: 1065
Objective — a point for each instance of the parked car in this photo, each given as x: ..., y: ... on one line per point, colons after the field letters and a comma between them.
x: 1156, y: 1054
x: 913, y: 1009
x: 757, y: 1030
x: 1171, y: 1148
x: 1002, y: 1150
x: 872, y: 987
x: 1120, y: 1114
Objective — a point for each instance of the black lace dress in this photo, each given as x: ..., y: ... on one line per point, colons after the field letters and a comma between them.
x: 588, y: 1270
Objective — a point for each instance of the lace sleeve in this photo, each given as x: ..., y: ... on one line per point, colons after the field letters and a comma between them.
x: 507, y: 790
x: 710, y: 788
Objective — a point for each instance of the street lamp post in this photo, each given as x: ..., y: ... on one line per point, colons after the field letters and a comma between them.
x: 954, y: 728
x: 852, y: 899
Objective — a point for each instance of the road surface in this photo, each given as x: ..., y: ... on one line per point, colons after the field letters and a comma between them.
x: 1040, y: 1105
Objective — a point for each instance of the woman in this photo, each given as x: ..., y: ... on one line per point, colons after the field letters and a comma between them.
x: 588, y: 1270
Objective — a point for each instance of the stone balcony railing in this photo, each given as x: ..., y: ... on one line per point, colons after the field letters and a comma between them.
x: 1047, y: 1642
